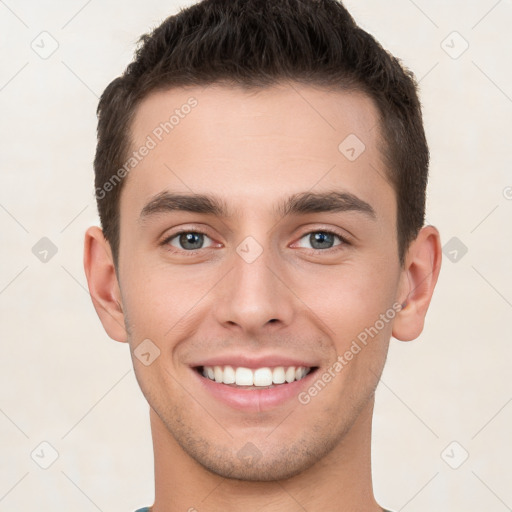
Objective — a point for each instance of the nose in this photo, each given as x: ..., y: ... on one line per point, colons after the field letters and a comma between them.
x: 254, y: 294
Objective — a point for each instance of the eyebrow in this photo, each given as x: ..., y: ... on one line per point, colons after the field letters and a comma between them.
x: 297, y: 204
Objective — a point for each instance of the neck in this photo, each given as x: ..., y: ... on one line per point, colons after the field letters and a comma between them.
x: 342, y: 477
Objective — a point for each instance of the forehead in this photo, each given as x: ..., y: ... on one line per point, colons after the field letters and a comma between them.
x: 251, y: 147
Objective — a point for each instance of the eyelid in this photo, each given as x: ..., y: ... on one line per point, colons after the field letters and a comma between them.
x: 188, y: 228
x: 325, y: 229
x: 344, y: 234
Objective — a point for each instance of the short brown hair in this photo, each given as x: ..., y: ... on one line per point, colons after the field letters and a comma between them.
x: 255, y: 44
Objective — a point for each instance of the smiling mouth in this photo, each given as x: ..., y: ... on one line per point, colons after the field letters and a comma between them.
x: 258, y: 378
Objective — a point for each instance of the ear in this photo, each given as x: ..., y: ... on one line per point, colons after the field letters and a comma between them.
x: 103, y: 284
x: 417, y: 282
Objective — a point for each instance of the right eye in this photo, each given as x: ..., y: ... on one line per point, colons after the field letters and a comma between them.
x: 187, y: 241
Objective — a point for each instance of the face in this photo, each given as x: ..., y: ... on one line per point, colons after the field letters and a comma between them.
x: 287, y: 263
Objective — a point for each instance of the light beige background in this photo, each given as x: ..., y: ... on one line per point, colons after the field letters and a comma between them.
x: 64, y: 382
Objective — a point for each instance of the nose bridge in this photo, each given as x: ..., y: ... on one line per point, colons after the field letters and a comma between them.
x: 252, y: 294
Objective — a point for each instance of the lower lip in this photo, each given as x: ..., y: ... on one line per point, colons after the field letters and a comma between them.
x: 255, y: 400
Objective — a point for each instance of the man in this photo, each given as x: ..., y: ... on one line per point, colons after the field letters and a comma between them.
x: 260, y: 177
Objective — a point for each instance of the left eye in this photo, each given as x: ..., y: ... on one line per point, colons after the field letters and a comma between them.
x: 319, y: 240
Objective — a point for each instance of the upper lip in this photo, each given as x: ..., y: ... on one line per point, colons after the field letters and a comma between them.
x: 253, y: 362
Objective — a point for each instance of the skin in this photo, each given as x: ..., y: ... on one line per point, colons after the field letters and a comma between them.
x: 247, y: 149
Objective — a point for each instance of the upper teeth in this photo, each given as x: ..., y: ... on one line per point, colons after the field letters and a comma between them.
x: 259, y: 377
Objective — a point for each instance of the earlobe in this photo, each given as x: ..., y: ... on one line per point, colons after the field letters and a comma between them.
x: 418, y: 280
x: 103, y: 284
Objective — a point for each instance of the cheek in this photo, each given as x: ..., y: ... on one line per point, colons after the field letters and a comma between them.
x: 350, y: 297
x: 160, y: 301
x: 149, y: 301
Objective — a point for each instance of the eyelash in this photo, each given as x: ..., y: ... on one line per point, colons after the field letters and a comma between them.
x: 343, y: 240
